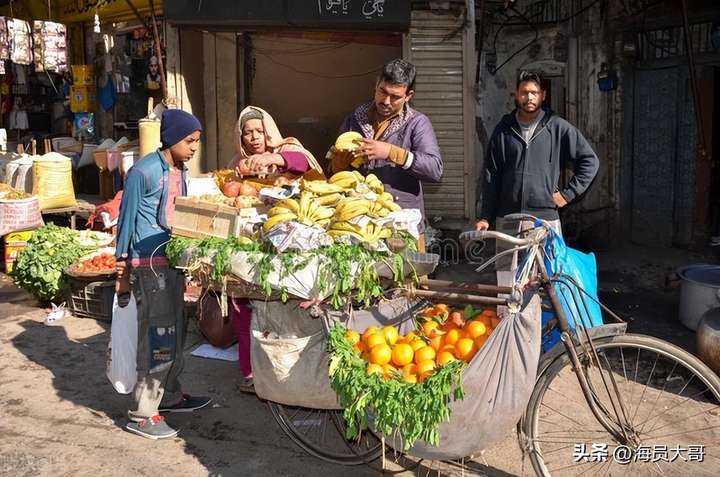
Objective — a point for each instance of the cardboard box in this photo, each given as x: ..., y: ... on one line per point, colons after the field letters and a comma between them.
x: 83, y: 75
x: 195, y: 219
x: 82, y: 99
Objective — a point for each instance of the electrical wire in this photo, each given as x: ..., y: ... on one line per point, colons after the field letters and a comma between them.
x: 319, y: 75
x: 549, y: 22
x: 537, y: 35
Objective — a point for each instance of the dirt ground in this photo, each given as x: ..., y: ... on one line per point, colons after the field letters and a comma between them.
x: 59, y: 415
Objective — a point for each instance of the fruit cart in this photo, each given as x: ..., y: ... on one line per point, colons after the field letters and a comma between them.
x: 597, y: 386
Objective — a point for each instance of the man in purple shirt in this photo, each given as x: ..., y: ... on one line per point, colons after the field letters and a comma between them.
x: 399, y: 144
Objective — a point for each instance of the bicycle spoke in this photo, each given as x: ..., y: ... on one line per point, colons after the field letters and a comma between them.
x: 684, y: 418
x: 646, y: 386
x: 684, y: 400
x: 667, y: 380
x: 563, y: 415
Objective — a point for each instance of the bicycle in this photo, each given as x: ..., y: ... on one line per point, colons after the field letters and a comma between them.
x: 603, y: 400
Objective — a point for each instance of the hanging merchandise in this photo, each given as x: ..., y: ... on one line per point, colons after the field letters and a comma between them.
x: 50, y: 46
x: 106, y: 94
x: 84, y: 125
x: 4, y: 41
x: 20, y: 36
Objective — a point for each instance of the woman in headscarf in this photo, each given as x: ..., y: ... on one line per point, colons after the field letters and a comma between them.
x: 262, y: 149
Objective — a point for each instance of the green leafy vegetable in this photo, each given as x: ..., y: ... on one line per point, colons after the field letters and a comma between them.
x: 415, y: 410
x: 39, y: 267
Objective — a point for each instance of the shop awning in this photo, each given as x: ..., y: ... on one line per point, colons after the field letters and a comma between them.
x: 392, y: 15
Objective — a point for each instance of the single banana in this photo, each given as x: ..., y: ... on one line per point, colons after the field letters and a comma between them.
x: 278, y: 219
x: 343, y: 226
x: 359, y: 176
x: 343, y: 177
x: 330, y: 199
x: 390, y: 205
x: 322, y: 187
x: 343, y: 233
x: 387, y: 196
x: 304, y: 204
x: 322, y: 213
x: 277, y: 210
x: 347, y: 141
x: 291, y: 204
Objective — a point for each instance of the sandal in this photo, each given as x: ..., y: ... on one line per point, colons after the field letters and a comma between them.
x: 246, y: 385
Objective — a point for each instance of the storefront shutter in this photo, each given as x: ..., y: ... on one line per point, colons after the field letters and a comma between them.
x: 436, y: 48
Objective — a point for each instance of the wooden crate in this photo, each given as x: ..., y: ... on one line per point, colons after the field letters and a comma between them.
x: 196, y: 219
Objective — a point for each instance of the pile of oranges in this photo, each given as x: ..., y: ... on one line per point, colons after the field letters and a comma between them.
x: 444, y: 336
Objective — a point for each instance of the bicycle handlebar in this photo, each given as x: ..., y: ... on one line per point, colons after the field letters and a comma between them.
x: 488, y: 234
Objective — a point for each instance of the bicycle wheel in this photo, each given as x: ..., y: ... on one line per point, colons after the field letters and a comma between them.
x: 671, y: 410
x: 321, y: 433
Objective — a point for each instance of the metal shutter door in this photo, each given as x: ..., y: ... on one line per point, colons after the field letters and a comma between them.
x: 436, y: 49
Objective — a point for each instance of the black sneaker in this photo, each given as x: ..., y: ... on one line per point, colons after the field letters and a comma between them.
x: 153, y: 428
x: 187, y: 404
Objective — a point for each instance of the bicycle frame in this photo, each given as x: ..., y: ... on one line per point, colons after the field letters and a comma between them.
x: 618, y: 429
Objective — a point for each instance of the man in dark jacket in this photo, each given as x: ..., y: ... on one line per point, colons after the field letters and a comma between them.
x: 526, y: 153
x: 399, y: 142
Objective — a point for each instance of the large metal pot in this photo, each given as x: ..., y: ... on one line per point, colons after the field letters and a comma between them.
x: 708, y: 339
x: 699, y: 292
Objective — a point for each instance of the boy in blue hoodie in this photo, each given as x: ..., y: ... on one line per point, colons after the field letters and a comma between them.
x: 146, y: 212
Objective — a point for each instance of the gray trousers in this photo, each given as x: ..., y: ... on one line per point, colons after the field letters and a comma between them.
x: 161, y: 338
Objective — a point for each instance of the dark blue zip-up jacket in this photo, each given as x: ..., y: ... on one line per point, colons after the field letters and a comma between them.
x: 142, y: 229
x: 521, y: 177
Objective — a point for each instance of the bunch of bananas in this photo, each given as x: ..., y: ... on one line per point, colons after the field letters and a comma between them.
x: 307, y: 211
x: 347, y: 179
x: 371, y: 233
x: 350, y: 208
x: 321, y: 187
x: 354, y: 181
x: 348, y: 141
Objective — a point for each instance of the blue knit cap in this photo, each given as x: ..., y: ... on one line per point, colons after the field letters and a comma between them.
x: 175, y: 125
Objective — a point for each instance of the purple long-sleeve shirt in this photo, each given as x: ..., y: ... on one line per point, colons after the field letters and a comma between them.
x: 295, y: 162
x: 414, y: 133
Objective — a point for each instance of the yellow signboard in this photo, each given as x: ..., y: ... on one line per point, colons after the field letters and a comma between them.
x: 83, y: 11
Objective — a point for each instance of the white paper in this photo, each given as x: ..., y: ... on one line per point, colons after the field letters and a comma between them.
x: 211, y: 352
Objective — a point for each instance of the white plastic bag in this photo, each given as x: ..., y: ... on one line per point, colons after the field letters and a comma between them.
x: 122, y: 349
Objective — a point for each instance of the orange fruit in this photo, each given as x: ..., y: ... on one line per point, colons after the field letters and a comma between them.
x: 426, y: 353
x: 480, y: 340
x: 448, y: 348
x: 410, y: 378
x: 475, y: 329
x: 425, y: 368
x: 429, y: 312
x: 369, y: 331
x: 490, y: 313
x: 410, y: 337
x: 352, y: 336
x: 389, y: 370
x: 391, y: 334
x: 402, y: 354
x: 375, y: 340
x: 465, y: 349
x: 380, y: 354
x: 417, y: 344
x: 452, y: 337
x: 437, y: 342
x: 485, y: 320
x: 494, y: 322
x: 430, y: 328
x: 373, y: 369
x: 441, y: 308
x: 444, y: 357
x: 409, y: 369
